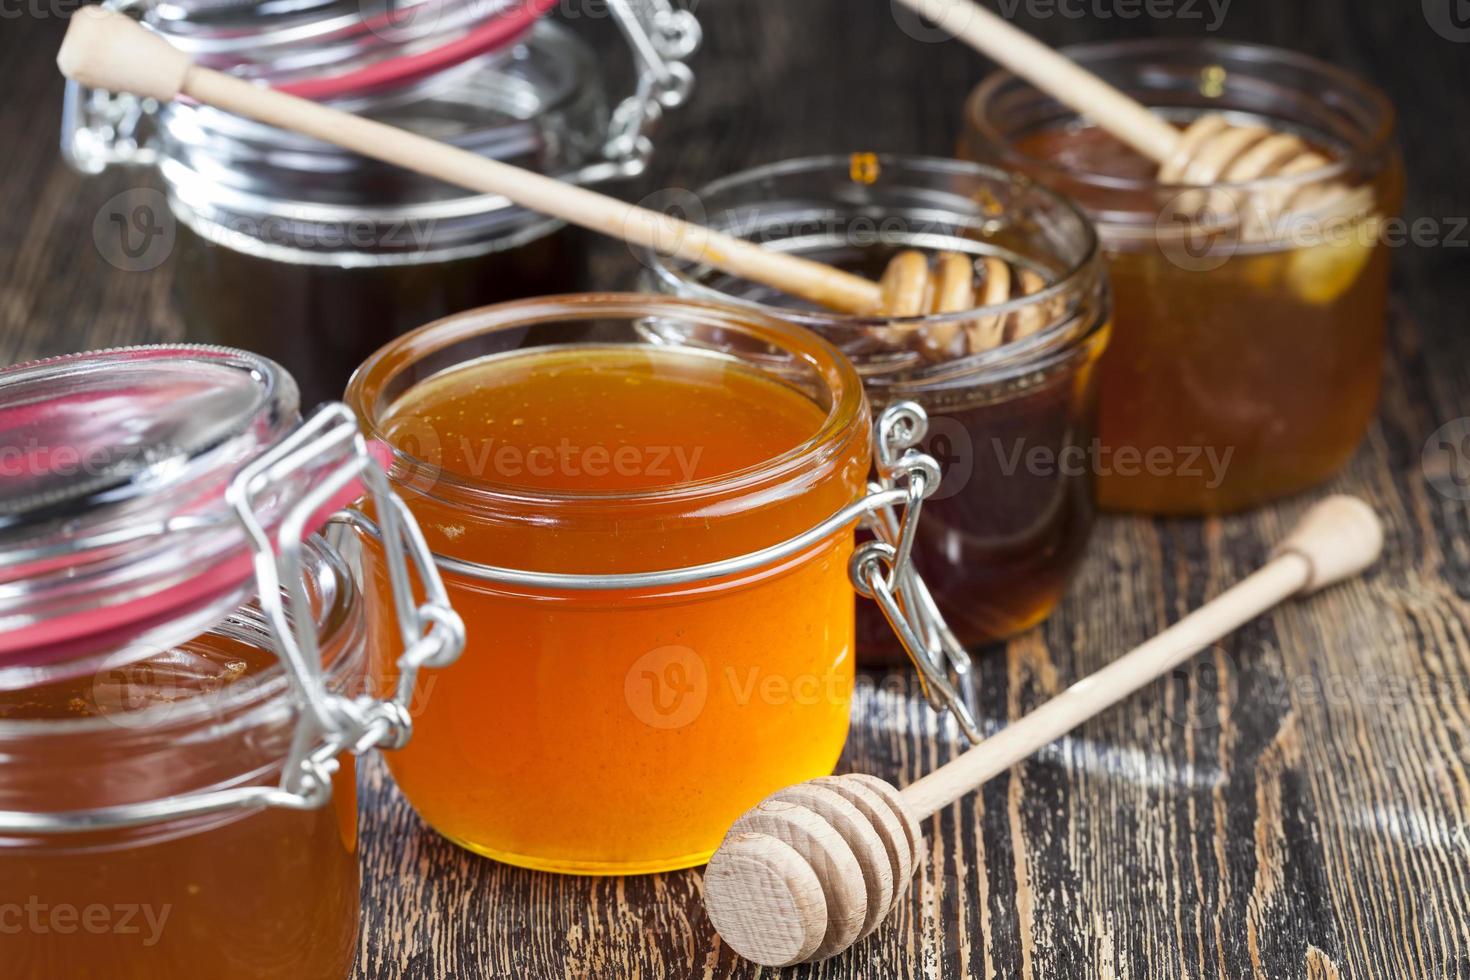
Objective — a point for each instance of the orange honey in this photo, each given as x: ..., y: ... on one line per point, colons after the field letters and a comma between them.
x: 622, y: 730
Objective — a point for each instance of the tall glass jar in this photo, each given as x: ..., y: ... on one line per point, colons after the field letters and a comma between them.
x: 182, y: 670
x: 1013, y: 425
x: 1247, y: 358
x: 652, y: 548
x: 315, y: 256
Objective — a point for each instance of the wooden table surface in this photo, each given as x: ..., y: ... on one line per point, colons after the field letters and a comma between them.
x: 1297, y: 803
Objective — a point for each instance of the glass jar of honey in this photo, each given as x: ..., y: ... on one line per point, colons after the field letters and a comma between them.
x: 1248, y: 352
x: 1012, y: 424
x: 315, y: 256
x: 652, y: 546
x: 182, y: 669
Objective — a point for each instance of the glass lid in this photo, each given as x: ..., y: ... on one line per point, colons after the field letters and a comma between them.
x: 95, y: 430
x: 114, y: 523
x: 329, y: 49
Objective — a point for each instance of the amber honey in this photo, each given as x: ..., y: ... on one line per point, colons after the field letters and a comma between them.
x: 261, y: 895
x: 621, y: 730
x: 1232, y: 379
x: 1247, y: 354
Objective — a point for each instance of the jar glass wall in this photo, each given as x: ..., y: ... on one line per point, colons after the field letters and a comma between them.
x: 591, y: 730
x: 244, y: 895
x: 1247, y: 358
x: 1011, y: 426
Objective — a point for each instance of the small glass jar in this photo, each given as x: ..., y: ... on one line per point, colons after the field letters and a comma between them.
x: 1247, y: 360
x: 632, y: 634
x: 1012, y: 426
x: 182, y: 671
x: 315, y: 256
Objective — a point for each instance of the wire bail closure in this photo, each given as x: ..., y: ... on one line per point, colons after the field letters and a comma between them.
x: 880, y: 569
x: 883, y: 570
x: 662, y: 38
x: 331, y: 450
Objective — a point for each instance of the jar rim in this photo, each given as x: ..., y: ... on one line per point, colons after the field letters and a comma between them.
x: 1025, y: 351
x: 365, y: 392
x: 1377, y: 141
x: 336, y: 49
x: 270, y: 400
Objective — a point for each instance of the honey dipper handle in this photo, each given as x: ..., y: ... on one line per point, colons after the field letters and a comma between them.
x: 108, y: 50
x: 1058, y: 76
x: 1337, y: 539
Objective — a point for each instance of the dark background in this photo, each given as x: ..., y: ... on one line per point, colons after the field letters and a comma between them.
x: 1268, y: 813
x: 777, y: 78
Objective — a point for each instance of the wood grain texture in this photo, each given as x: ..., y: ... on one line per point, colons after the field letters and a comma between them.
x: 1296, y: 803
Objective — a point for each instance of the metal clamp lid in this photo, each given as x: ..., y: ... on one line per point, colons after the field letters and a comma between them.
x: 101, y: 129
x: 331, y: 445
x: 662, y: 38
x: 881, y: 569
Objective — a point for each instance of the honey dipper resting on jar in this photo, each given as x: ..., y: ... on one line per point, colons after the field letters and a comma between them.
x: 107, y: 50
x: 1211, y: 151
x: 913, y: 286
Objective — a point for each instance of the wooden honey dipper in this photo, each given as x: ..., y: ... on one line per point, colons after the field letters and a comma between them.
x: 1211, y: 150
x: 108, y: 50
x: 913, y: 288
x: 817, y: 867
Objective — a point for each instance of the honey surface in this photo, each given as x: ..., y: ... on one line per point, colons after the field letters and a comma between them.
x: 172, y: 677
x: 1090, y: 150
x: 613, y: 420
x: 623, y: 731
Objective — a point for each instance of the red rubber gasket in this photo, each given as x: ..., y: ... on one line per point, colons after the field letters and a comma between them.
x: 493, y: 34
x: 50, y: 641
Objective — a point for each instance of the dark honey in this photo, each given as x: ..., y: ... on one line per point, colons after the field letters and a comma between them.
x: 999, y: 542
x: 320, y: 322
